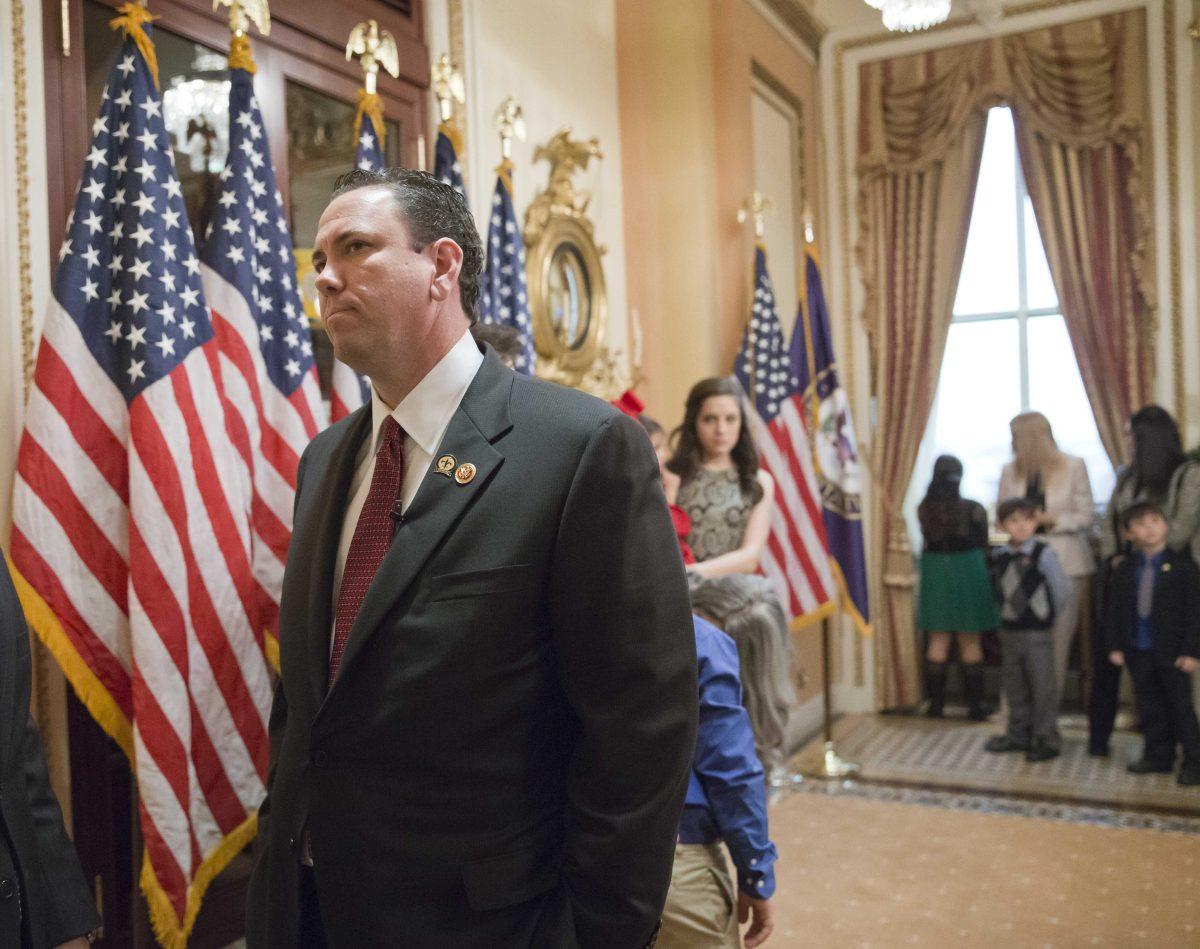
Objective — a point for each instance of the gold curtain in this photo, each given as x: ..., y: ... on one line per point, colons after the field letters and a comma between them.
x: 1081, y: 114
x: 1078, y: 96
x: 920, y: 145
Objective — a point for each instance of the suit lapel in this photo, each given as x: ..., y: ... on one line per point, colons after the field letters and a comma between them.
x: 323, y: 523
x: 440, y: 502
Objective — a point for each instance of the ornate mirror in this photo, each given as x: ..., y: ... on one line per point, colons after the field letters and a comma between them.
x: 567, y: 297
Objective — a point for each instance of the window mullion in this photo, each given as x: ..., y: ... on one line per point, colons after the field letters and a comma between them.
x: 1022, y: 281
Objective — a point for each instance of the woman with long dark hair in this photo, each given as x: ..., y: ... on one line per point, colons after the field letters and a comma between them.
x: 956, y: 598
x: 1160, y: 472
x: 721, y: 486
x: 728, y: 498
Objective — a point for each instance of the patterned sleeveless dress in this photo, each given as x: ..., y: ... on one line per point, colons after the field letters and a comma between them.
x: 719, y: 512
x: 746, y: 607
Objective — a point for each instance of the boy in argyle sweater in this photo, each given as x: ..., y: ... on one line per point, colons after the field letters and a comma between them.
x: 1030, y: 589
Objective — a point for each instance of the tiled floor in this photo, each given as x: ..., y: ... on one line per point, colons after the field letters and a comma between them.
x: 949, y: 754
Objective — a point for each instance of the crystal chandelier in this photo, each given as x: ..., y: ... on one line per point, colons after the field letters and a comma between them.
x: 909, y: 15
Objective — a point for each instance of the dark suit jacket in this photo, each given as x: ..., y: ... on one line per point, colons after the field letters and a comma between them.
x: 502, y: 759
x: 1175, y: 615
x: 44, y: 900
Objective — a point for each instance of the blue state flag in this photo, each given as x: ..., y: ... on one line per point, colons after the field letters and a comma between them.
x: 839, y: 472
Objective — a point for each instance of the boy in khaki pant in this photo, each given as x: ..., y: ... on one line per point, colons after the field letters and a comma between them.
x: 726, y: 800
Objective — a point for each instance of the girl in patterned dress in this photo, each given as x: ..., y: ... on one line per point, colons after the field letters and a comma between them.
x: 728, y: 498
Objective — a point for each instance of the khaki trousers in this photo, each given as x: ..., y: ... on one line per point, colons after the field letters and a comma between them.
x: 701, y: 910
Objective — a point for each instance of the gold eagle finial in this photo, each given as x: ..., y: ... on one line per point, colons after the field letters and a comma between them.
x: 448, y: 87
x: 510, y: 123
x: 375, y: 48
x: 244, y: 12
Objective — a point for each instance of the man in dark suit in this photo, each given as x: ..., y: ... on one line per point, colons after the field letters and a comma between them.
x: 486, y: 717
x: 44, y: 900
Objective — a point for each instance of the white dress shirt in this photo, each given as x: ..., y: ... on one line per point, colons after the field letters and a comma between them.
x: 424, y: 415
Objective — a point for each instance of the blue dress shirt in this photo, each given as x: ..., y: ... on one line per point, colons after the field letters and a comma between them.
x: 727, y: 796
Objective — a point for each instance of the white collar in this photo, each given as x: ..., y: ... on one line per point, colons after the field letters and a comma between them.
x: 425, y: 412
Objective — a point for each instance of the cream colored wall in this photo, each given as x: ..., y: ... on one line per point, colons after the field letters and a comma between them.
x: 24, y: 245
x: 671, y: 243
x: 776, y: 161
x: 559, y: 60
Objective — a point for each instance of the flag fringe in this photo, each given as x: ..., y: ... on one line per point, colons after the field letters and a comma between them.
x: 131, y: 20
x: 91, y: 691
x: 841, y: 603
x: 167, y: 929
x: 865, y: 630
x: 271, y: 650
x: 240, y: 54
x: 104, y: 709
x: 370, y: 104
x: 450, y: 129
x: 824, y: 611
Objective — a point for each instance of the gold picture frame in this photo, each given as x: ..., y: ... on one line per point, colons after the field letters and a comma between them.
x: 568, y: 297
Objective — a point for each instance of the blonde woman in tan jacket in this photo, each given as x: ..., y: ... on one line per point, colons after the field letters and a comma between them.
x: 1058, y: 483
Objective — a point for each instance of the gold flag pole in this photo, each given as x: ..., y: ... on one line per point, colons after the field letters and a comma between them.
x: 832, y: 766
x: 374, y: 48
x: 510, y: 124
x: 241, y: 14
x: 446, y: 80
x: 755, y: 208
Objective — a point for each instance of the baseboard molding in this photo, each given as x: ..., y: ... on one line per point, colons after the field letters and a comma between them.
x: 805, y: 723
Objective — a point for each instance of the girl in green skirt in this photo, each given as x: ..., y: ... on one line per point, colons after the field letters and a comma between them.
x: 956, y: 598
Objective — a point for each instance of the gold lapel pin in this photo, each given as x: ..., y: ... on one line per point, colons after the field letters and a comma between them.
x: 446, y: 465
x: 465, y: 473
x: 1166, y: 568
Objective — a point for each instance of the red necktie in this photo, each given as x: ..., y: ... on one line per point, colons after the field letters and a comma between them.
x: 372, y: 536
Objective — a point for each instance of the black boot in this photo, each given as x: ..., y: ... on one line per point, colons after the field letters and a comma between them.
x: 935, y: 685
x: 973, y: 691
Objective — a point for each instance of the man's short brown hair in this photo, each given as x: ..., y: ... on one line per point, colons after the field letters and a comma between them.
x: 431, y: 210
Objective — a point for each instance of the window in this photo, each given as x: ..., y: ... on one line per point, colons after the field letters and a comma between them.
x: 1008, y: 350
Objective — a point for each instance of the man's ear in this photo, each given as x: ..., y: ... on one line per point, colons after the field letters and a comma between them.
x: 447, y: 263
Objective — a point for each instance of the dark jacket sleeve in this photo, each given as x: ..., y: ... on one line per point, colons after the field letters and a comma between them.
x: 627, y: 663
x: 1191, y: 610
x: 64, y: 902
x: 1116, y: 607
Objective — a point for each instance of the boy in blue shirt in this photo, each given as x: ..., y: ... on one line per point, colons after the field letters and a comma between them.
x: 726, y: 800
x: 1153, y: 628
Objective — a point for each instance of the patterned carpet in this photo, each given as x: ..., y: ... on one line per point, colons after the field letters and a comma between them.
x: 870, y: 874
x: 948, y: 754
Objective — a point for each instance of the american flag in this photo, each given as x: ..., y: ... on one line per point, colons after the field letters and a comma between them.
x: 248, y: 270
x: 349, y: 390
x: 503, y: 298
x: 369, y: 156
x: 131, y: 538
x: 796, y: 557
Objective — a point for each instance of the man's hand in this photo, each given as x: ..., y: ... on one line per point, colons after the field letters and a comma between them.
x: 1045, y: 520
x: 77, y: 943
x: 762, y: 925
x: 1116, y: 657
x: 1188, y: 664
